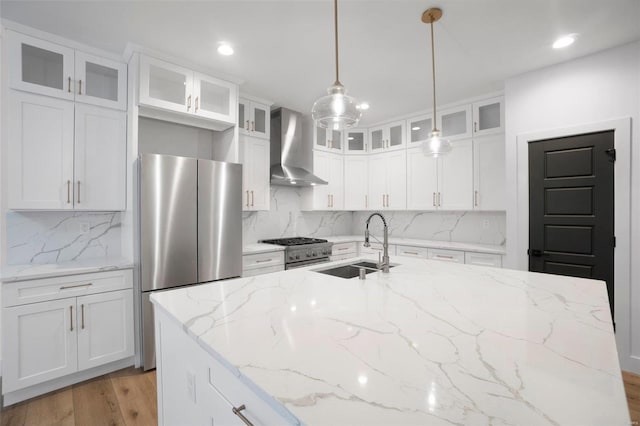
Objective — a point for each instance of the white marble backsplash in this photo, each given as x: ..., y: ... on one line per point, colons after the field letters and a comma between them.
x: 51, y: 237
x: 464, y: 226
x: 286, y: 219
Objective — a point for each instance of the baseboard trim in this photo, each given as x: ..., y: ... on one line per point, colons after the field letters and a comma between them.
x: 51, y: 385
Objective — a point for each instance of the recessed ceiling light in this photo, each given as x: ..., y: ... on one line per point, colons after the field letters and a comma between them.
x: 350, y: 138
x: 415, y: 128
x: 225, y: 49
x: 564, y: 41
x: 363, y: 106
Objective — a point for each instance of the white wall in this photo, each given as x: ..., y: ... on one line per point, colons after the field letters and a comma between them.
x: 586, y: 91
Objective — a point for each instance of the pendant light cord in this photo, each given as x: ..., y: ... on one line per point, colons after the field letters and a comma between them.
x: 433, y: 69
x: 335, y: 20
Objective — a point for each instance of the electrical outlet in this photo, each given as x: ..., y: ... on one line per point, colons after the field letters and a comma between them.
x: 485, y: 224
x: 85, y: 226
x: 191, y: 386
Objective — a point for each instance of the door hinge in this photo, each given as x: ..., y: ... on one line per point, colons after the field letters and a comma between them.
x: 611, y: 152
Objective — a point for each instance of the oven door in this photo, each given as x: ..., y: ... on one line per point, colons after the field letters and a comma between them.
x: 303, y: 263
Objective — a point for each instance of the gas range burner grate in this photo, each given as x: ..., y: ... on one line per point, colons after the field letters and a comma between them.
x: 294, y: 241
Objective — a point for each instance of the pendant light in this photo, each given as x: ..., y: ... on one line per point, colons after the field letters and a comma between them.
x: 436, y: 145
x: 336, y: 111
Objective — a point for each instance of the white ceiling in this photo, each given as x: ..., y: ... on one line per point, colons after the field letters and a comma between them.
x: 284, y: 49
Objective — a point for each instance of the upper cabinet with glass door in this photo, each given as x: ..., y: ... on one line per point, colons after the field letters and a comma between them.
x: 355, y: 141
x: 169, y: 87
x: 418, y: 129
x: 327, y: 140
x: 488, y: 116
x: 455, y: 123
x: 50, y: 69
x: 254, y: 118
x: 387, y: 137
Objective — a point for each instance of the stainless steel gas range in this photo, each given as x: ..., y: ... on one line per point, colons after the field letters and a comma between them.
x: 301, y: 251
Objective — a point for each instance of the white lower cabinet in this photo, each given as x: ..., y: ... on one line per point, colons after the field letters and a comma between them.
x: 375, y: 249
x: 483, y: 259
x: 262, y: 263
x: 68, y: 327
x: 343, y: 251
x: 195, y: 388
x: 454, y: 256
x: 410, y: 251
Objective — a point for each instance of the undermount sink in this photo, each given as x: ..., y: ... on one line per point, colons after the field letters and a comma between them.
x: 350, y: 271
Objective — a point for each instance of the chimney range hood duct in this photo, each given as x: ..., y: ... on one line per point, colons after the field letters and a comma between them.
x: 291, y: 157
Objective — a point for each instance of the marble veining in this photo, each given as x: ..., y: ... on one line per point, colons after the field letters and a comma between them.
x: 51, y: 237
x: 429, y: 343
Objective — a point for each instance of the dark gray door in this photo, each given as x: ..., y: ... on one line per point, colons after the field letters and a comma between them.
x: 571, y: 200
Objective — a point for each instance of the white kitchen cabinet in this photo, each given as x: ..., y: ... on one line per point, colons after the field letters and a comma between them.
x: 356, y: 188
x: 483, y: 259
x: 411, y: 251
x: 46, y: 172
x: 375, y: 249
x: 171, y: 87
x: 488, y: 116
x: 455, y: 123
x: 419, y: 129
x: 444, y: 183
x: 445, y: 255
x: 327, y: 140
x: 262, y: 263
x: 489, y: 173
x: 387, y: 181
x: 254, y: 118
x: 255, y: 173
x: 342, y: 251
x: 388, y: 137
x: 329, y: 167
x: 50, y: 69
x: 356, y: 141
x: 54, y: 327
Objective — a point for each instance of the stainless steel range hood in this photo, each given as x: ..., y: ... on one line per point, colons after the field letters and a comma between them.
x: 291, y: 156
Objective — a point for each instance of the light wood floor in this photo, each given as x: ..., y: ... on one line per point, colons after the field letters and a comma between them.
x: 128, y: 397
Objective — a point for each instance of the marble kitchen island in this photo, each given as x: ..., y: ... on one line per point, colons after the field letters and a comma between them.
x: 428, y: 343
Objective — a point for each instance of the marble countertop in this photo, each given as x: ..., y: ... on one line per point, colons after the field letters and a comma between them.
x: 450, y: 245
x: 12, y: 273
x: 260, y: 248
x: 429, y: 343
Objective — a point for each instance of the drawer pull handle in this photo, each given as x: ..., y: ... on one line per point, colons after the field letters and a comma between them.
x: 343, y: 248
x: 442, y: 256
x: 80, y: 87
x: 263, y: 260
x: 237, y: 412
x: 70, y: 318
x: 69, y: 86
x: 415, y: 253
x: 82, y: 316
x: 65, y: 287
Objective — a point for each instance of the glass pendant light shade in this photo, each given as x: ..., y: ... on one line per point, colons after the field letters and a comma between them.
x: 336, y: 111
x: 436, y: 145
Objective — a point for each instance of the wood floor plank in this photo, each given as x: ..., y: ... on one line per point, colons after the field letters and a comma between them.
x: 14, y: 415
x: 136, y: 397
x: 54, y: 409
x: 95, y: 403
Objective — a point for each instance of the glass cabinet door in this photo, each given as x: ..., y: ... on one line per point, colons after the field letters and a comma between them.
x: 376, y: 136
x: 40, y: 67
x: 100, y: 81
x: 261, y: 120
x: 396, y: 135
x: 488, y: 116
x: 456, y: 123
x: 321, y: 138
x: 165, y: 85
x: 356, y: 141
x: 244, y: 124
x: 419, y: 129
x: 214, y: 98
x: 335, y: 142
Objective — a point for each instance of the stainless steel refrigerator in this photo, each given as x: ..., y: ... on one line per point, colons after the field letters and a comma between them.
x: 190, y: 228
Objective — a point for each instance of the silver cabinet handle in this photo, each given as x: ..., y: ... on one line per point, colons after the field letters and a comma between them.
x: 82, y: 316
x: 78, y: 192
x: 475, y: 126
x: 69, y: 85
x: 388, y: 202
x: 331, y: 200
x: 415, y: 253
x: 80, y: 87
x: 70, y: 318
x: 366, y: 201
x: 247, y: 198
x: 251, y: 198
x: 189, y: 103
x: 444, y: 256
x: 328, y: 200
x: 253, y: 126
x: 238, y: 412
x: 197, y: 103
x: 382, y: 200
x: 68, y: 192
x: 439, y: 204
x: 247, y: 126
x: 264, y: 260
x: 66, y: 287
x: 434, y: 199
x: 343, y: 248
x: 475, y: 198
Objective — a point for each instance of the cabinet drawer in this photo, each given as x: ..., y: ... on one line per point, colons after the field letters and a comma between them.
x: 446, y: 255
x: 261, y: 260
x: 257, y: 410
x: 335, y: 258
x: 375, y: 249
x: 40, y: 290
x: 483, y: 259
x: 259, y: 271
x: 339, y: 249
x: 409, y: 251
